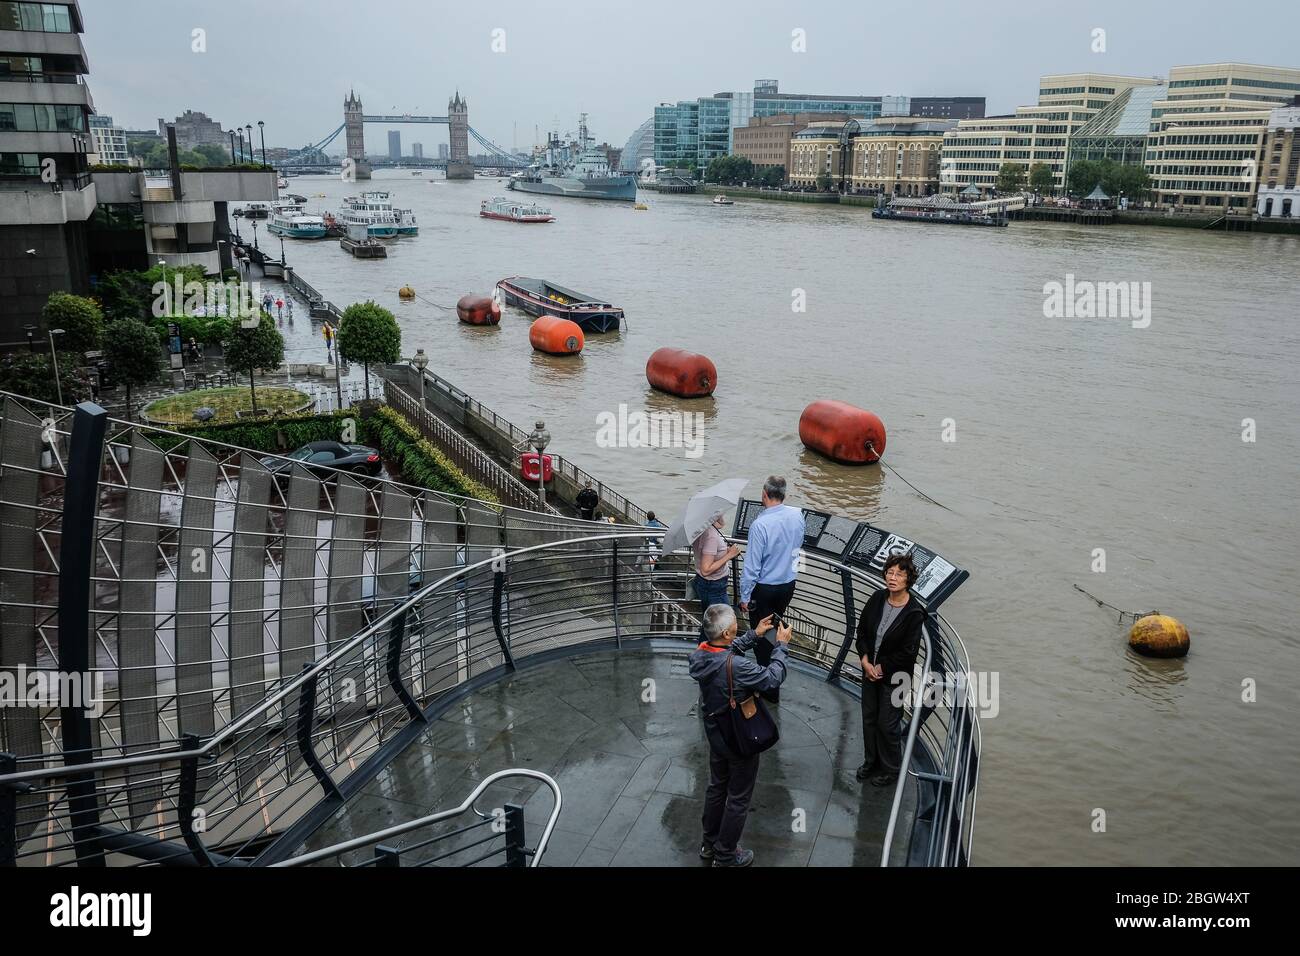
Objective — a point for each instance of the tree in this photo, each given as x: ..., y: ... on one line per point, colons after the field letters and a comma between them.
x: 81, y: 320
x: 1011, y: 178
x: 1083, y: 177
x: 824, y: 181
x: 132, y: 349
x: 32, y: 374
x: 1041, y: 178
x: 369, y: 333
x: 261, y: 346
x: 772, y: 176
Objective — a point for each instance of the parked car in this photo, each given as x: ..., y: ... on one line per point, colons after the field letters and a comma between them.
x: 322, y: 457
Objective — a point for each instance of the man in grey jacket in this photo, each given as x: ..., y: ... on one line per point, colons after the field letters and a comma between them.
x: 731, y: 776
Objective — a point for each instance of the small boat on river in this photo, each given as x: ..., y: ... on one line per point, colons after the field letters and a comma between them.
x: 541, y: 297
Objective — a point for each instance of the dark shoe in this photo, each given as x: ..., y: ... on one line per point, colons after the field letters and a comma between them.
x: 706, y: 851
x: 772, y: 697
x: 743, y: 857
x: 883, y: 779
x: 865, y: 771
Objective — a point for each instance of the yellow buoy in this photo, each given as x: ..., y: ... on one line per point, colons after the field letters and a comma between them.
x: 1158, y: 635
x: 406, y: 292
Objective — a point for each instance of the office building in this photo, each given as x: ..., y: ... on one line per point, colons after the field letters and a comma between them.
x: 692, y: 132
x: 974, y: 151
x: 1119, y: 132
x: 109, y: 142
x: 639, y: 150
x: 1206, y: 147
x: 442, y: 151
x: 417, y: 150
x: 47, y: 194
x: 394, y: 144
x: 897, y: 156
x: 766, y: 140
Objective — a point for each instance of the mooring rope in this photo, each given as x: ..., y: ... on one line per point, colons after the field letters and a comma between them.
x: 447, y: 308
x: 881, y: 459
x: 1122, y: 613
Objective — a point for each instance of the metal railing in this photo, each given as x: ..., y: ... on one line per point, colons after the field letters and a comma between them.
x: 506, y: 823
x: 466, y: 456
x: 464, y: 410
x: 263, y: 646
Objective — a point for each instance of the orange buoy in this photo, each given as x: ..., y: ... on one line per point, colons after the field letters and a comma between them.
x: 683, y: 373
x: 478, y: 310
x: 557, y: 336
x: 842, y: 432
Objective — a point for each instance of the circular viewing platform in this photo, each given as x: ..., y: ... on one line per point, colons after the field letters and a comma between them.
x: 620, y: 732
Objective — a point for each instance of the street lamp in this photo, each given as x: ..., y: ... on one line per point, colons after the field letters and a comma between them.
x: 539, y: 439
x: 31, y: 337
x: 249, y: 127
x: 421, y: 362
x: 54, y: 357
x: 255, y: 235
x: 261, y: 132
x: 241, y: 145
x: 233, y: 160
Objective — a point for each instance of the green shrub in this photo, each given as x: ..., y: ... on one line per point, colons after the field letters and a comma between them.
x: 419, y: 462
x: 80, y: 318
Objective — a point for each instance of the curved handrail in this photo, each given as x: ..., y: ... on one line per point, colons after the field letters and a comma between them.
x: 466, y: 804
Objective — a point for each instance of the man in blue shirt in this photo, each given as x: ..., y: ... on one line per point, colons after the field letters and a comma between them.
x: 768, y: 577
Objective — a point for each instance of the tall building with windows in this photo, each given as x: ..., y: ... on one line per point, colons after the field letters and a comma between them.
x: 1205, y: 151
x: 110, y: 142
x: 695, y: 131
x: 974, y: 152
x: 46, y: 191
x: 394, y: 144
x: 896, y: 155
x: 765, y: 141
x: 417, y: 150
x: 195, y: 128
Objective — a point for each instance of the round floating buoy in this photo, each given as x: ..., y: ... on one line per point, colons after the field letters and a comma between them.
x: 842, y: 432
x: 406, y: 292
x: 1159, y: 635
x: 557, y: 336
x: 683, y: 373
x: 478, y: 310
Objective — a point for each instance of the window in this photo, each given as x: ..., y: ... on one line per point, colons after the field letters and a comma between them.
x: 35, y: 17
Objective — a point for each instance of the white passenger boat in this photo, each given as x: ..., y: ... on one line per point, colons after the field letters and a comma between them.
x: 511, y: 210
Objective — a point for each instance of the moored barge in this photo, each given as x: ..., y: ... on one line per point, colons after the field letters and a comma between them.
x: 937, y: 209
x: 539, y: 297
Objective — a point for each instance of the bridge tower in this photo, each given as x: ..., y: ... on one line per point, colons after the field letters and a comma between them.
x: 458, y: 164
x: 355, y: 128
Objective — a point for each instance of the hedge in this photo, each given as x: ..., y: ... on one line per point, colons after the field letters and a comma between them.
x: 397, y: 440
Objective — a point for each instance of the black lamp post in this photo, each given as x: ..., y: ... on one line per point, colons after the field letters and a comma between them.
x: 255, y: 246
x: 249, y: 128
x: 233, y: 161
x: 31, y: 337
x: 261, y: 132
x: 421, y: 362
x: 241, y: 146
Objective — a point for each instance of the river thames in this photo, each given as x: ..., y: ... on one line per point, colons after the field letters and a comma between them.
x: 1071, y: 435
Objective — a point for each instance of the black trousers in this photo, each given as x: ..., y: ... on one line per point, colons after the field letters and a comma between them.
x: 726, y: 804
x: 882, y: 727
x: 768, y: 599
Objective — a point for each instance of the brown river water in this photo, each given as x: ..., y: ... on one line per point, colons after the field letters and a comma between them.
x: 1071, y: 434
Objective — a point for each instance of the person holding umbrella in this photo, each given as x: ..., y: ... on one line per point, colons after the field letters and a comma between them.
x: 712, y: 564
x: 699, y: 528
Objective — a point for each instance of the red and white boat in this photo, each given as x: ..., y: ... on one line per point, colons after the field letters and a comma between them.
x: 511, y: 210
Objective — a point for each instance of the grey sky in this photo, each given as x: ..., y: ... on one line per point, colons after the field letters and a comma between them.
x: 290, y: 62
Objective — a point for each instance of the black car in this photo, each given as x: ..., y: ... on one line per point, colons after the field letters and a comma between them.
x: 320, y: 457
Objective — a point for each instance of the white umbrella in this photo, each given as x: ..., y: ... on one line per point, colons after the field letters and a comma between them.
x: 700, y: 511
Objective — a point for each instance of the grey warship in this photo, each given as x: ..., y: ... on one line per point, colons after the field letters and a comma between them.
x: 586, y: 177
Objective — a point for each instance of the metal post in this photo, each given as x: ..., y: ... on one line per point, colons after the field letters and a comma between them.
x: 394, y: 668
x: 850, y: 626
x: 387, y: 856
x: 306, y: 717
x: 188, y: 801
x: 77, y: 554
x: 9, y: 813
x: 498, y: 590
x: 618, y: 628
x: 516, y: 850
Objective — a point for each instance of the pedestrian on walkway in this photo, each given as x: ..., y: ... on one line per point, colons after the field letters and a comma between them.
x: 728, y: 679
x: 587, y: 502
x: 768, y: 578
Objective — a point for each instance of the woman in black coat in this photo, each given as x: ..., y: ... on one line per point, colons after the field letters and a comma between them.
x: 889, y: 635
